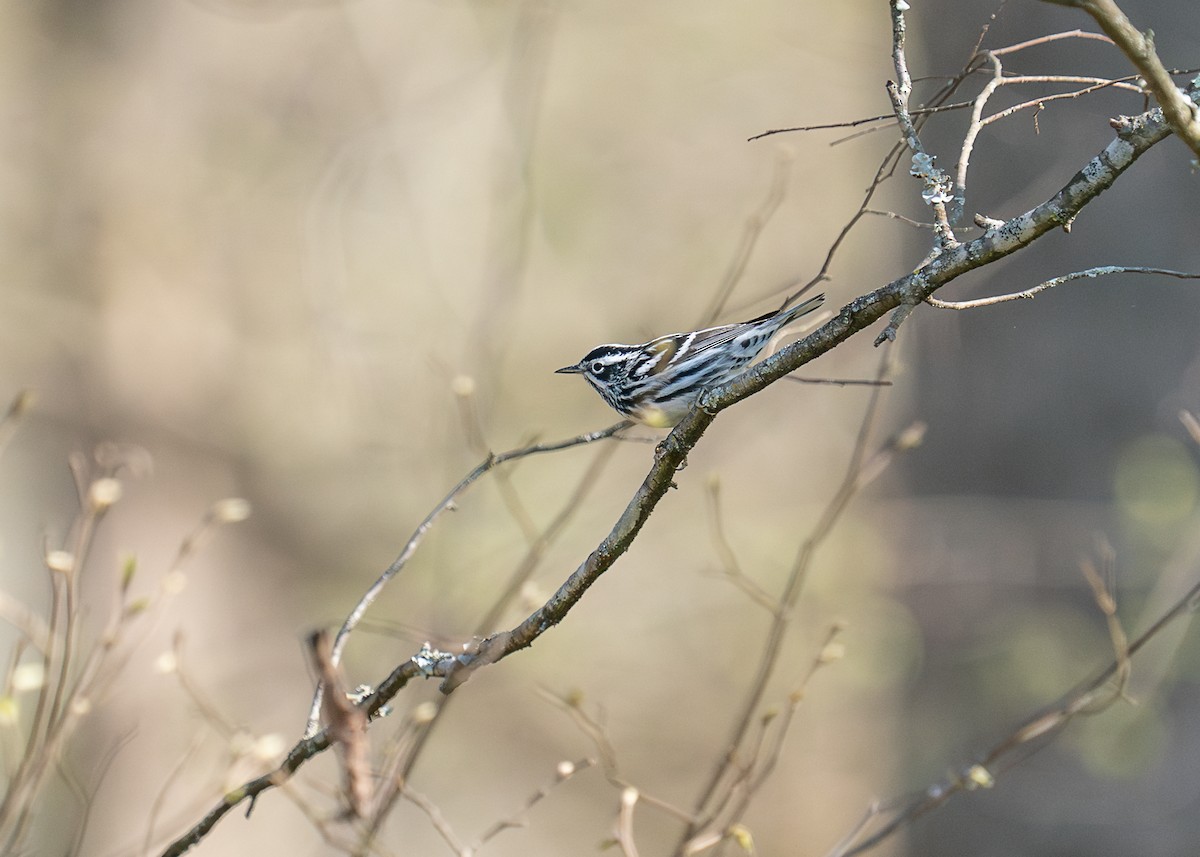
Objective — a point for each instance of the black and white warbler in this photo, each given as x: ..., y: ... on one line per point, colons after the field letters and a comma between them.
x: 659, y: 381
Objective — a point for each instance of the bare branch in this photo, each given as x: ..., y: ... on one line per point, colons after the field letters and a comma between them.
x: 714, y: 795
x: 751, y: 232
x: 1048, y: 721
x: 572, y: 706
x: 403, y: 758
x: 447, y: 504
x: 1191, y: 424
x: 1090, y: 273
x: 439, y: 822
x: 17, y: 409
x: 565, y: 771
x: 347, y: 725
x: 731, y: 568
x: 1178, y: 108
x: 624, y: 826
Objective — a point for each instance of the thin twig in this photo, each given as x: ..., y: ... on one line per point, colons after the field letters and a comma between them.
x: 1090, y: 273
x: 1053, y: 37
x: 781, y: 618
x: 173, y: 776
x: 565, y: 771
x: 414, y: 541
x: 751, y: 232
x: 439, y: 822
x: 595, y: 732
x: 732, y: 569
x: 17, y: 409
x: 623, y: 828
x: 404, y: 758
x: 1179, y: 110
x: 840, y: 382
x: 1046, y: 722
x: 762, y: 759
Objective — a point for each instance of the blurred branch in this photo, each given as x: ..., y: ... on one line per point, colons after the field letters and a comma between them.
x: 74, y: 671
x: 1191, y: 424
x: 347, y: 725
x: 513, y: 200
x: 17, y: 409
x: 439, y: 822
x: 757, y: 765
x: 1088, y: 698
x: 751, y: 232
x: 1179, y: 109
x: 401, y: 762
x: 564, y: 772
x: 572, y: 706
x: 623, y: 828
x: 731, y: 568
x: 414, y: 541
x: 724, y: 778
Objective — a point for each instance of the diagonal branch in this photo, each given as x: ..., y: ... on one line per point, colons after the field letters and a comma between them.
x: 1180, y: 111
x: 1082, y: 700
x: 446, y: 505
x: 1087, y: 274
x: 1135, y: 136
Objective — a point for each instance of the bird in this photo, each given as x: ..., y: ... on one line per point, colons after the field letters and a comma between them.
x: 659, y: 381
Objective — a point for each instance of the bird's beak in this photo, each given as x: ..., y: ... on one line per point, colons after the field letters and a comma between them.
x: 568, y: 370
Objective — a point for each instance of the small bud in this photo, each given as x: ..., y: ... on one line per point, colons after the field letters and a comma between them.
x: 20, y: 404
x: 268, y: 748
x: 979, y: 777
x: 833, y: 651
x: 532, y: 595
x: 741, y: 834
x: 911, y: 437
x: 424, y: 713
x: 231, y: 510
x: 28, y: 677
x: 174, y: 582
x: 103, y: 493
x: 128, y: 570
x: 565, y: 769
x: 60, y: 561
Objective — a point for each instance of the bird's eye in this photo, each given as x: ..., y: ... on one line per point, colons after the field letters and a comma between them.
x: 597, y: 367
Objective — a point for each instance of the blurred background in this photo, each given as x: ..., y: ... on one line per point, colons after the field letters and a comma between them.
x: 299, y: 252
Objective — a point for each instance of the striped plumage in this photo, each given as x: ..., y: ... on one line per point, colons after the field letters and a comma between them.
x: 659, y: 381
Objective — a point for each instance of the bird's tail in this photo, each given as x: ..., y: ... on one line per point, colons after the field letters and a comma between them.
x: 787, y: 316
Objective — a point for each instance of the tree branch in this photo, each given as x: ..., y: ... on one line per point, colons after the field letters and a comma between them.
x: 1179, y: 109
x: 1135, y: 136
